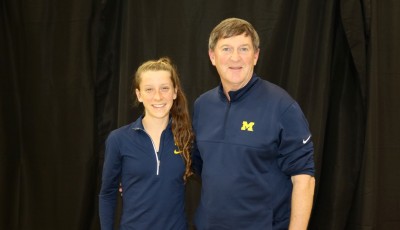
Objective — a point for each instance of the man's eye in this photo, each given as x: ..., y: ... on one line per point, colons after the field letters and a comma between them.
x: 226, y: 49
x: 244, y: 49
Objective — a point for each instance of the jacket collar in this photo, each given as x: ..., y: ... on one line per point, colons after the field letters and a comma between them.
x: 238, y: 94
x: 138, y: 124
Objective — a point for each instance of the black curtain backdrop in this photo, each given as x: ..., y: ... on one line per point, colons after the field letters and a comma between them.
x: 66, y: 70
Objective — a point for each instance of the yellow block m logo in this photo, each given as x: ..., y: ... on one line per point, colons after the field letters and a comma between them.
x: 247, y: 126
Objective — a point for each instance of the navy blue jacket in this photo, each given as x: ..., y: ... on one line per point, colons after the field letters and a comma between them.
x: 153, y: 187
x: 247, y: 150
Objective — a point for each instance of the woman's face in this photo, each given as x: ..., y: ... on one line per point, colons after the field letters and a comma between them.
x: 157, y: 93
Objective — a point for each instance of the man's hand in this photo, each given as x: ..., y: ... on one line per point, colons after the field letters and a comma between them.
x: 120, y: 188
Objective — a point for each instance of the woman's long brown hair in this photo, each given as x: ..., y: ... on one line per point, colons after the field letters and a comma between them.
x: 181, y: 123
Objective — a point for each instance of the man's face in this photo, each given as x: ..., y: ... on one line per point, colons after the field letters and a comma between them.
x: 234, y: 59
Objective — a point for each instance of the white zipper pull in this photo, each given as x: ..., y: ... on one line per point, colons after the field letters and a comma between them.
x: 158, y: 167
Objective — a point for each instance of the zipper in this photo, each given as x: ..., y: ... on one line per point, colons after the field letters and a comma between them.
x: 226, y: 118
x: 155, y: 151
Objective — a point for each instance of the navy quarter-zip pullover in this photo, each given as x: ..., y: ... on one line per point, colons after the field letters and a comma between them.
x: 153, y: 186
x: 247, y: 150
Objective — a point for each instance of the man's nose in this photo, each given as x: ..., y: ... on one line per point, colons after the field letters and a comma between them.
x: 235, y: 55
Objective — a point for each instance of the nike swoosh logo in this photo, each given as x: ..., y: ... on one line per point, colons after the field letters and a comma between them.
x: 177, y: 152
x: 306, y: 140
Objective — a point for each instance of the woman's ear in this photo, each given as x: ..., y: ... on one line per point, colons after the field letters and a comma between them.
x: 138, y: 95
x: 175, y: 94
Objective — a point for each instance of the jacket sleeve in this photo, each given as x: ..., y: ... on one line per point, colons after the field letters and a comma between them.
x: 110, y: 180
x: 296, y: 150
x: 197, y: 162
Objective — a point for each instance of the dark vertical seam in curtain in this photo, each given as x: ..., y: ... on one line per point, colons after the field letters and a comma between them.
x: 16, y: 49
x: 355, y: 20
x: 106, y: 75
x: 93, y: 42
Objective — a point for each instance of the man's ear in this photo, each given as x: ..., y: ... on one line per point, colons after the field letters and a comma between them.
x: 256, y: 55
x: 211, y: 54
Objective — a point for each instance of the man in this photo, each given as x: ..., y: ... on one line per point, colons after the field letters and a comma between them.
x: 254, y: 150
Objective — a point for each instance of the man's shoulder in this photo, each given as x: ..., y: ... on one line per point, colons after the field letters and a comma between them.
x: 273, y: 91
x: 272, y: 86
x: 208, y: 95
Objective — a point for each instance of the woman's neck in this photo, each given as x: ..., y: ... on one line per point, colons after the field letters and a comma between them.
x: 154, y: 127
x: 154, y: 124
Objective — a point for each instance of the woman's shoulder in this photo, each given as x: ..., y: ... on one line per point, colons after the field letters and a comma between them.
x: 122, y: 131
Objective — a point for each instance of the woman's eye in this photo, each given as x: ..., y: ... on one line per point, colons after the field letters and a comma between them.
x: 165, y: 89
x: 148, y: 90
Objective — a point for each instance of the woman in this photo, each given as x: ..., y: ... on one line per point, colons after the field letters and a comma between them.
x: 150, y: 157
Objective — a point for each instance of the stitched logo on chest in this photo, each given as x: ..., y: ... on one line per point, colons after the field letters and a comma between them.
x: 247, y: 126
x: 177, y: 151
